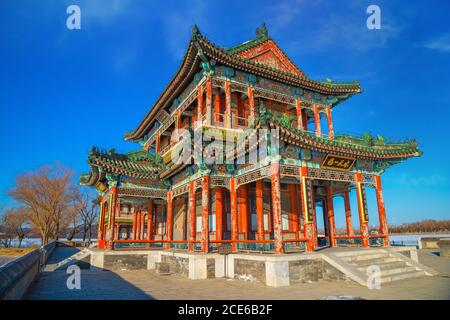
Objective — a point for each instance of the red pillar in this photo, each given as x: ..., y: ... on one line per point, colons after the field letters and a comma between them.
x: 199, y: 102
x: 243, y: 210
x: 150, y: 220
x: 228, y: 103
x: 208, y: 100
x: 363, y: 217
x: 381, y: 210
x: 169, y: 228
x: 330, y: 123
x: 112, y: 222
x: 260, y: 209
x: 307, y: 213
x: 158, y: 142
x: 217, y: 116
x: 276, y: 207
x: 317, y: 120
x: 138, y: 225
x: 133, y: 236
x: 293, y: 206
x: 300, y: 118
x: 219, y: 213
x: 348, y: 213
x: 142, y: 225
x: 205, y: 214
x: 100, y: 233
x: 192, y: 216
x: 331, y: 222
x: 251, y: 105
x: 304, y: 120
x: 233, y: 209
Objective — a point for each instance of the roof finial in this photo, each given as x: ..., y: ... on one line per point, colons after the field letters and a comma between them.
x: 195, y: 31
x: 262, y: 31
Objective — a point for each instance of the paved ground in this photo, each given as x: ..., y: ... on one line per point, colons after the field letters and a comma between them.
x: 148, y: 285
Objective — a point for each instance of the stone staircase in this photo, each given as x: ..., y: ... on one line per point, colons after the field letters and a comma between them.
x: 392, y: 264
x: 392, y: 268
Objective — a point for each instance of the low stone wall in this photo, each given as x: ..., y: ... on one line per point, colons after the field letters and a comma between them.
x: 444, y: 248
x: 430, y: 242
x: 278, y: 271
x: 17, y: 275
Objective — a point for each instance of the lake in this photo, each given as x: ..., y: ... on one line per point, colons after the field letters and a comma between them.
x: 413, y: 239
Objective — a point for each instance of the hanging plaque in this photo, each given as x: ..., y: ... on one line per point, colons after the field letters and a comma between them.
x: 365, y: 211
x: 337, y: 163
x: 308, y: 194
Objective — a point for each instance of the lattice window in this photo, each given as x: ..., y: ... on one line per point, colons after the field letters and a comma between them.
x: 253, y: 176
x: 289, y: 171
x: 144, y: 193
x: 217, y: 181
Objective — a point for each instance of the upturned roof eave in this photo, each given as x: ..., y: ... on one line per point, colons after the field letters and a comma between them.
x: 191, y: 61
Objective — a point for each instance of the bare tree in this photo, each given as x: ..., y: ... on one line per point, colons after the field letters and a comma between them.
x: 88, y: 210
x: 47, y: 194
x: 16, y: 221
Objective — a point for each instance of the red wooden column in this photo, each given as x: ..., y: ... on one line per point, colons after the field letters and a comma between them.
x: 142, y: 225
x: 150, y: 220
x: 219, y: 213
x: 276, y: 207
x: 307, y: 214
x: 317, y: 120
x: 112, y: 208
x: 331, y: 222
x: 138, y: 225
x: 100, y: 233
x: 192, y: 216
x: 381, y: 210
x: 233, y: 209
x: 348, y: 213
x: 133, y: 230
x: 217, y: 108
x: 330, y: 123
x: 243, y: 210
x: 169, y: 228
x: 304, y: 120
x: 199, y: 102
x: 293, y: 206
x: 363, y: 216
x: 158, y: 142
x: 260, y: 209
x: 251, y: 105
x: 300, y: 117
x: 205, y: 213
x: 227, y: 104
x: 208, y: 100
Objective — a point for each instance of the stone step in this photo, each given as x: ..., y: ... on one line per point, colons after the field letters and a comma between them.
x: 402, y: 276
x: 396, y: 271
x: 377, y: 261
x: 365, y: 257
x: 382, y: 265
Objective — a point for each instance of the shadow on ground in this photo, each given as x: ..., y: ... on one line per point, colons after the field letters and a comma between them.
x: 52, y: 283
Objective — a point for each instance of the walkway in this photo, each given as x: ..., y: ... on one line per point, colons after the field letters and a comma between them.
x: 148, y: 285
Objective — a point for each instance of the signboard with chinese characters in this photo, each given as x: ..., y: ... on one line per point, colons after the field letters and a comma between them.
x: 308, y: 194
x: 365, y: 211
x: 337, y: 163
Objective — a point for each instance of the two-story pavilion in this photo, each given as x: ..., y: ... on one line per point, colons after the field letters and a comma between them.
x: 150, y: 201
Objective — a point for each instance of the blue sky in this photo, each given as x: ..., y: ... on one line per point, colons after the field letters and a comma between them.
x: 63, y: 91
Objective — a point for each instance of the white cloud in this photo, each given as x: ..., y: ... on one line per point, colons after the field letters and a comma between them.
x: 441, y: 43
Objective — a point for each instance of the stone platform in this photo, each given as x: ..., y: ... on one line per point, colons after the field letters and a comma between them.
x: 274, y: 270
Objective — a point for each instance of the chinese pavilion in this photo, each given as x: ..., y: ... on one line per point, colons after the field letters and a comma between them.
x: 150, y: 201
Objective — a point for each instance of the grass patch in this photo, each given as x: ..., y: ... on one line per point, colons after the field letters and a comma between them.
x: 15, y: 251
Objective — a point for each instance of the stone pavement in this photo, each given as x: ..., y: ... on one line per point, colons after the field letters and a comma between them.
x: 149, y: 285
